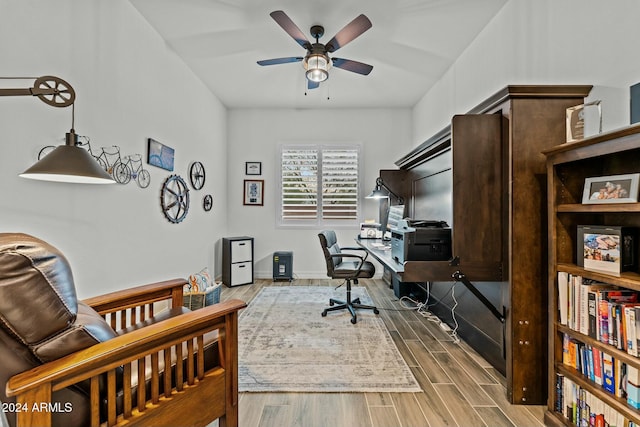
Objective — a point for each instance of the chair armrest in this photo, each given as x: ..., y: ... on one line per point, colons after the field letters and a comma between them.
x: 357, y: 248
x: 139, y: 295
x: 352, y: 249
x: 345, y: 255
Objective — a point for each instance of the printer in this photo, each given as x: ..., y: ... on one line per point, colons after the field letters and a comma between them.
x: 421, y: 240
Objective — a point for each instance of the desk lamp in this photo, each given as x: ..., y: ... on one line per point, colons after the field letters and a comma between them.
x: 377, y: 192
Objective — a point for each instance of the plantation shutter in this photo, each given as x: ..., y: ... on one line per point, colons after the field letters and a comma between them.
x: 339, y: 184
x: 319, y: 185
x: 299, y: 183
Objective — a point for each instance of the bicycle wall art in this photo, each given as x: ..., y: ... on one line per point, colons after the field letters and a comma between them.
x: 122, y: 169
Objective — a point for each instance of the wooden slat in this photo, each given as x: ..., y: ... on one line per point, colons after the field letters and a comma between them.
x: 200, y: 357
x: 167, y: 372
x: 142, y: 398
x: 179, y: 370
x: 126, y: 386
x: 123, y: 319
x: 34, y: 397
x: 111, y: 397
x: 155, y: 378
x: 95, y: 401
x: 190, y: 362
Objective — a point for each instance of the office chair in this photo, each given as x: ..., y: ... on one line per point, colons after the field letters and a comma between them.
x: 355, y: 268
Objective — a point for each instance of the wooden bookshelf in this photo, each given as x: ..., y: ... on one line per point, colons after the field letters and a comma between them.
x: 568, y: 165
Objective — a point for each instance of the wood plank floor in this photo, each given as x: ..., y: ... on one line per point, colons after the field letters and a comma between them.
x: 459, y: 387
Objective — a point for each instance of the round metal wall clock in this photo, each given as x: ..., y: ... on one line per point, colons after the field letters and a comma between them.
x: 174, y: 199
x: 207, y: 202
x: 197, y: 175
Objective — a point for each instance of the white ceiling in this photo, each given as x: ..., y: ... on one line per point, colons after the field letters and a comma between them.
x: 410, y: 46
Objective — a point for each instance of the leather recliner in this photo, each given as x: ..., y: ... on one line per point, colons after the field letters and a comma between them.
x: 42, y: 320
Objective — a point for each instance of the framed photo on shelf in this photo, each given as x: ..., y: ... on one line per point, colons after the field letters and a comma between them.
x: 159, y: 155
x: 253, y: 168
x: 611, y: 189
x: 607, y: 249
x: 253, y: 192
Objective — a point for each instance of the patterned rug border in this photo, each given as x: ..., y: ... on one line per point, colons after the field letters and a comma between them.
x: 255, y: 378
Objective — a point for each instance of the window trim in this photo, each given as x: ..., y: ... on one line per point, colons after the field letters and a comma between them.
x: 319, y: 223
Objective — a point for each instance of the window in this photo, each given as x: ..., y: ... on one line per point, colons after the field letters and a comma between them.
x: 319, y: 185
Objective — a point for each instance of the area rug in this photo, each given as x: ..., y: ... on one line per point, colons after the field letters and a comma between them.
x: 284, y: 344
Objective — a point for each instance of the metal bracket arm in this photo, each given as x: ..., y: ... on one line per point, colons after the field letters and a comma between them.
x: 460, y: 277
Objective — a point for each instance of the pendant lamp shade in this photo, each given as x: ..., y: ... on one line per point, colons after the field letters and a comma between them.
x: 69, y: 163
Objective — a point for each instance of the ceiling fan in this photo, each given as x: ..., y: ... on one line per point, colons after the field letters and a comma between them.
x: 317, y: 61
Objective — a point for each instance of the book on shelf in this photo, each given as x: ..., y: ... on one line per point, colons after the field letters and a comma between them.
x: 633, y: 386
x: 582, y: 408
x: 608, y: 382
x: 602, y: 311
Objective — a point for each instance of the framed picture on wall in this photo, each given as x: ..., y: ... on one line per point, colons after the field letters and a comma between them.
x: 159, y: 155
x: 253, y: 192
x: 253, y: 168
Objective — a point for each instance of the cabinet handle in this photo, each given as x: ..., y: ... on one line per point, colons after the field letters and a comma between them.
x: 241, y: 266
x: 241, y: 244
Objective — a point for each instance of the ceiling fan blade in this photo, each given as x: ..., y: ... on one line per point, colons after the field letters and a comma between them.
x: 352, y: 30
x: 312, y: 85
x: 353, y: 66
x: 292, y: 29
x: 280, y: 60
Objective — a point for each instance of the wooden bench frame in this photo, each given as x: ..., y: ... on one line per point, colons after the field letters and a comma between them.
x: 195, y: 397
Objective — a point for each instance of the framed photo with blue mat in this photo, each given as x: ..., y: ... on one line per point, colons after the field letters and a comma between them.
x: 159, y: 155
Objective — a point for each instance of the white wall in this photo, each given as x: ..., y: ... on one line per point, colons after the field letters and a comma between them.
x: 543, y: 42
x: 129, y: 87
x: 255, y: 134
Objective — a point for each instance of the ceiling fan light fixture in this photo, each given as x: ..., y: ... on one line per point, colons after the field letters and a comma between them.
x: 317, y: 67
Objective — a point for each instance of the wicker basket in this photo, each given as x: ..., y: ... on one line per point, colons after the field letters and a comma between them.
x: 195, y: 300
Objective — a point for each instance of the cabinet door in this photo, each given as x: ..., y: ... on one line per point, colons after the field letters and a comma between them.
x: 477, y: 188
x: 241, y: 273
x: 241, y: 250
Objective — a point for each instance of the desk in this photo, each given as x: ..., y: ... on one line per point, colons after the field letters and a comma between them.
x: 428, y: 271
x: 383, y: 256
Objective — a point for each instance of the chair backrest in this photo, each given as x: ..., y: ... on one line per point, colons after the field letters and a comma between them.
x: 330, y: 247
x: 40, y: 317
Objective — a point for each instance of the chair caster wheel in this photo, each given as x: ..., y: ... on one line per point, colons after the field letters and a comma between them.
x: 324, y: 313
x: 376, y: 311
x: 353, y: 320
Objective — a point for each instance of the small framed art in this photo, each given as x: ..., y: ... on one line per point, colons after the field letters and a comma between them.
x: 253, y: 168
x: 159, y: 155
x: 253, y: 192
x: 611, y: 189
x: 607, y: 249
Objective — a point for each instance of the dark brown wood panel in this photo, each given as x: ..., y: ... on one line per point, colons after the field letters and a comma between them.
x: 498, y: 145
x: 477, y: 188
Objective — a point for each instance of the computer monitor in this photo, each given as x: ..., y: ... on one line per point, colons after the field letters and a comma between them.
x: 396, y: 213
x: 390, y: 218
